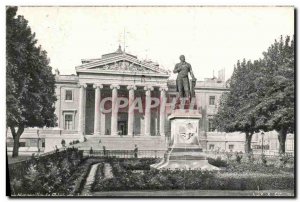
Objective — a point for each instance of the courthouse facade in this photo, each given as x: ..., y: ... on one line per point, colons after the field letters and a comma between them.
x: 118, y: 75
x: 121, y: 75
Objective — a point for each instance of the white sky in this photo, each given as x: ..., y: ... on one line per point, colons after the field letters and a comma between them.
x: 211, y: 38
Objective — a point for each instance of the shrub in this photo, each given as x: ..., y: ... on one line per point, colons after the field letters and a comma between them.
x: 248, y: 167
x: 249, y: 157
x: 138, y: 164
x: 63, y: 143
x: 16, y: 186
x: 218, y: 162
x: 109, y: 185
x: 228, y: 155
x: 45, y: 175
x: 284, y: 159
x: 238, y: 157
x: 263, y: 159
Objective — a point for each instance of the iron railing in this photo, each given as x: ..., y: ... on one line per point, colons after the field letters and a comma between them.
x: 272, y: 154
x: 125, y: 153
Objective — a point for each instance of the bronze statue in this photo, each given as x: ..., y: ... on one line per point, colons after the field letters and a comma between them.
x: 183, y: 86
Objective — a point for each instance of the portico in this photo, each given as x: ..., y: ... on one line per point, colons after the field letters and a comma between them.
x: 115, y: 96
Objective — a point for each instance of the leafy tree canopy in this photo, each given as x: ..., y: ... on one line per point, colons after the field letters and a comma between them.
x: 30, y: 84
x: 261, y: 94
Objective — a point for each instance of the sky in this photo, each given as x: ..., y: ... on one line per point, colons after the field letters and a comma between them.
x: 211, y: 38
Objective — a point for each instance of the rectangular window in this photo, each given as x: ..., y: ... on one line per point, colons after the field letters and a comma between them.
x: 231, y: 147
x: 211, y: 147
x: 212, y: 100
x: 43, y: 143
x: 22, y: 144
x: 68, y: 121
x: 210, y: 125
x: 69, y: 95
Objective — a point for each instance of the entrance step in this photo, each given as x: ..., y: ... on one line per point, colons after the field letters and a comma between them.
x: 123, y: 143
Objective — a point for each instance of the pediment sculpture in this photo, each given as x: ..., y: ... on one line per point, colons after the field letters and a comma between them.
x: 125, y: 66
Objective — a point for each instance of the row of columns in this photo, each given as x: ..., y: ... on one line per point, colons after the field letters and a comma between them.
x: 114, y: 114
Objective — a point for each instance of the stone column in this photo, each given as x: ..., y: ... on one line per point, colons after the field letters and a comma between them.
x: 114, y: 110
x: 148, y: 90
x: 81, y: 114
x: 130, y: 110
x: 162, y: 110
x: 97, y: 118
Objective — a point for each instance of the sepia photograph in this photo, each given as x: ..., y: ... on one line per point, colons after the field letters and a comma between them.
x: 150, y: 101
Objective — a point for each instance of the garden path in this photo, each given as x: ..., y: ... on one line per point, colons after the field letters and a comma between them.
x: 90, y: 180
x: 108, y: 171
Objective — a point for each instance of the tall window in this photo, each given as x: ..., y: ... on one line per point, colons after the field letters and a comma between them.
x: 68, y: 121
x: 212, y: 100
x: 69, y: 95
x: 211, y: 147
x: 231, y: 147
x: 43, y: 142
x: 210, y: 125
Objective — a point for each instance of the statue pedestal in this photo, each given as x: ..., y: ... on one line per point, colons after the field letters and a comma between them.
x: 186, y: 104
x: 185, y: 151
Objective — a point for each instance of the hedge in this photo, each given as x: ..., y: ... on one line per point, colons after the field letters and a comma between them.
x: 62, y: 173
x: 127, y: 179
x: 254, y: 181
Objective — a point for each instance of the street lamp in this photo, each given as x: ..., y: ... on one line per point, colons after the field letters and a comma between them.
x: 38, y: 141
x: 262, y: 142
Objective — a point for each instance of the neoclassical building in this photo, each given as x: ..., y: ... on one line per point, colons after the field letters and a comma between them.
x: 114, y: 75
x: 109, y: 82
x: 120, y: 74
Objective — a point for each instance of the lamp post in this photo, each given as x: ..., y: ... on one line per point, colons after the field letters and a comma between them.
x: 38, y: 141
x: 262, y: 142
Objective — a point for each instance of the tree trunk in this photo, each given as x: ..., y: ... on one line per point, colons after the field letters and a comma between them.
x: 16, y: 136
x: 282, y: 138
x: 15, y: 152
x: 248, y: 142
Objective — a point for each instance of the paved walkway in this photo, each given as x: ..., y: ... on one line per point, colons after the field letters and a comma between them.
x: 90, y: 180
x: 197, y: 193
x: 107, y: 171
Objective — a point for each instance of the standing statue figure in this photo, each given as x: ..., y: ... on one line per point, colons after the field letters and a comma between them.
x: 182, y: 82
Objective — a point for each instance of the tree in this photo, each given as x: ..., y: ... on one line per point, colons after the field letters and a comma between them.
x: 236, y: 107
x: 30, y: 84
x: 277, y: 84
x: 261, y: 95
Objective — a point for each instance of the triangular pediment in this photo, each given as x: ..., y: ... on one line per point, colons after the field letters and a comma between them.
x: 121, y: 64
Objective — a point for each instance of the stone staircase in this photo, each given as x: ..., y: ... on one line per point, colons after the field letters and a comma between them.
x: 123, y: 143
